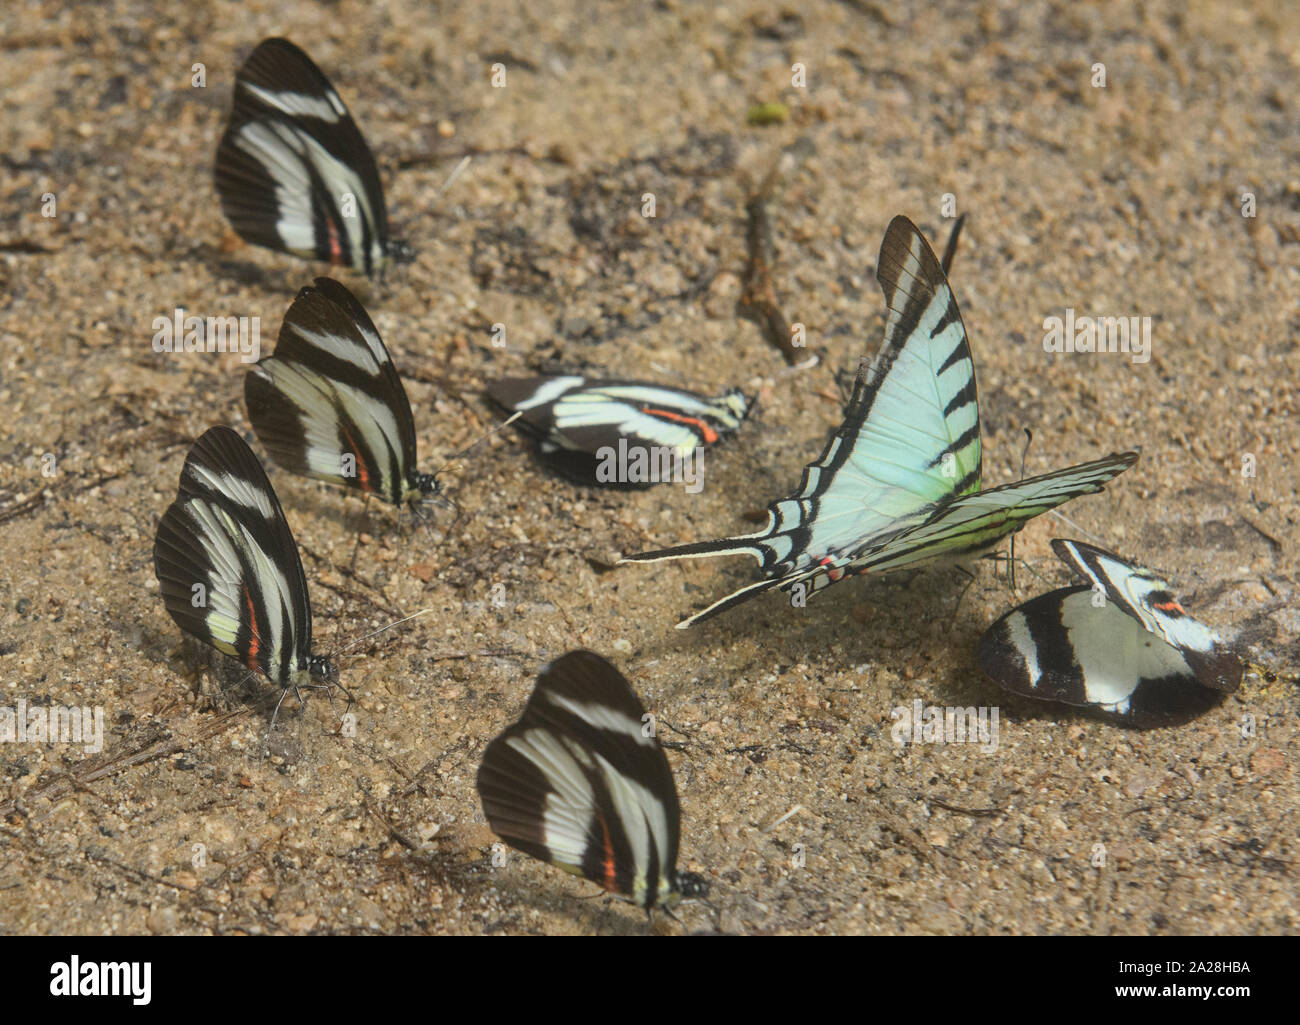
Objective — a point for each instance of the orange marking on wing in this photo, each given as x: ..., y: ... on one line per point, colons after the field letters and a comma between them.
x: 336, y: 247
x: 254, y: 644
x: 608, y: 864
x: 710, y: 435
x: 1170, y: 606
x: 363, y: 475
x: 836, y: 573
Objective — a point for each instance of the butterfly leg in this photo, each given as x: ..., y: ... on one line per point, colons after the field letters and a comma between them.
x: 423, y: 519
x: 1029, y: 440
x: 302, y: 717
x: 956, y: 607
x: 999, y: 558
x: 329, y: 688
x: 451, y: 502
x: 266, y: 745
x: 1010, y: 559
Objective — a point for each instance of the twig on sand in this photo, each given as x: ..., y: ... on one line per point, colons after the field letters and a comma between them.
x: 950, y: 250
x: 758, y: 302
x: 393, y: 831
x: 25, y: 505
x: 119, y: 760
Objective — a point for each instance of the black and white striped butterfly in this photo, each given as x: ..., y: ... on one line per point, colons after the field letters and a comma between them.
x: 229, y: 568
x: 1121, y: 644
x: 581, y: 782
x: 580, y: 423
x: 329, y: 403
x: 293, y: 171
x: 898, y: 484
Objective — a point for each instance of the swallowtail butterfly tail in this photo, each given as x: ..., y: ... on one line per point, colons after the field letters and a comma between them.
x: 1121, y: 644
x: 293, y: 171
x: 898, y: 484
x: 574, y: 418
x: 581, y: 782
x: 329, y: 403
x: 229, y: 568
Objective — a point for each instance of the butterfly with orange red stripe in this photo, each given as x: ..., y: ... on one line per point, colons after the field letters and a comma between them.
x: 576, y: 419
x: 581, y: 782
x: 228, y: 566
x: 329, y: 403
x: 1120, y: 644
x: 293, y: 170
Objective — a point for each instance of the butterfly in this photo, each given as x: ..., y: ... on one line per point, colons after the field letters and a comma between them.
x: 329, y: 403
x: 582, y: 425
x: 581, y: 782
x: 229, y: 568
x: 293, y: 171
x: 1121, y: 643
x: 898, y: 484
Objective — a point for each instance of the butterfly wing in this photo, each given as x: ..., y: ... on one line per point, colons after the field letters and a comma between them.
x: 329, y: 403
x: 975, y: 522
x: 293, y: 170
x: 576, y: 419
x: 1147, y: 598
x: 1061, y: 646
x: 227, y: 563
x: 577, y: 783
x: 909, y: 443
x: 967, y: 525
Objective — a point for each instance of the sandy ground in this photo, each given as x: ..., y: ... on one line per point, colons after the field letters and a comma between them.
x: 1117, y: 200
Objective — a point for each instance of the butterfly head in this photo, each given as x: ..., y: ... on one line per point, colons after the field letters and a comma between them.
x: 691, y: 886
x: 322, y: 667
x: 737, y: 403
x: 425, y: 486
x: 384, y: 255
x: 398, y: 252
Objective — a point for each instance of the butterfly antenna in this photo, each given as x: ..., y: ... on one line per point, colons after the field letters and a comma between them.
x: 456, y: 172
x: 1081, y: 531
x: 355, y: 641
x: 476, y: 443
x: 950, y: 250
x: 402, y: 252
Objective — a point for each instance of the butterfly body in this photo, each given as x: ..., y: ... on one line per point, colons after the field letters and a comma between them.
x: 329, y: 403
x: 578, y: 420
x: 228, y: 566
x: 899, y: 482
x: 581, y: 783
x: 294, y: 172
x: 1121, y: 644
